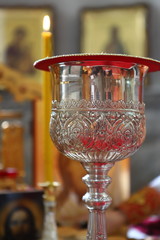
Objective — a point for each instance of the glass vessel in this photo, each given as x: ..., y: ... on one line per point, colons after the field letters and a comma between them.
x: 97, y: 118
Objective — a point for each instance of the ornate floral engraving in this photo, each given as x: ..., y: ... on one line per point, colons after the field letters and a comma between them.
x: 97, y: 105
x: 97, y: 131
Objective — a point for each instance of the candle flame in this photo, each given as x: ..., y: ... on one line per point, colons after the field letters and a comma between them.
x: 46, y: 23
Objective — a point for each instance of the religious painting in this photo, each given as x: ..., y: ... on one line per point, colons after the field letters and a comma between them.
x: 20, y: 83
x: 21, y: 44
x: 21, y: 215
x: 121, y: 30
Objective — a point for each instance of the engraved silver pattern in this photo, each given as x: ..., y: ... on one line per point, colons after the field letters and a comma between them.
x: 97, y: 131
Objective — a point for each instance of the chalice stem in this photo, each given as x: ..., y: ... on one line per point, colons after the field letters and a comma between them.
x: 97, y: 225
x: 96, y: 199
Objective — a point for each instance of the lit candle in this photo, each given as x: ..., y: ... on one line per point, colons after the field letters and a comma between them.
x: 46, y: 37
x: 47, y: 143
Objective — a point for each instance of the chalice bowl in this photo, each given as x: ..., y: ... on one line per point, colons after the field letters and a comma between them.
x: 97, y: 118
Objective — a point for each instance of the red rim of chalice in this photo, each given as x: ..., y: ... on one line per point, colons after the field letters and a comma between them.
x: 118, y: 60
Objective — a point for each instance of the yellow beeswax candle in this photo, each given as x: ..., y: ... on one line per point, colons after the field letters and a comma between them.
x: 46, y: 86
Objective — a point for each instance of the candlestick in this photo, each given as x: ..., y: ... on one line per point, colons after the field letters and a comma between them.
x: 50, y: 228
x: 48, y: 151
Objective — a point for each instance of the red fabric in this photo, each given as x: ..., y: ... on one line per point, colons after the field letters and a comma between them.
x: 150, y: 226
x: 99, y: 59
x: 141, y: 205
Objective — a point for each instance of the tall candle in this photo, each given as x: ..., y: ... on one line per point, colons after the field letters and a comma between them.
x: 47, y: 143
